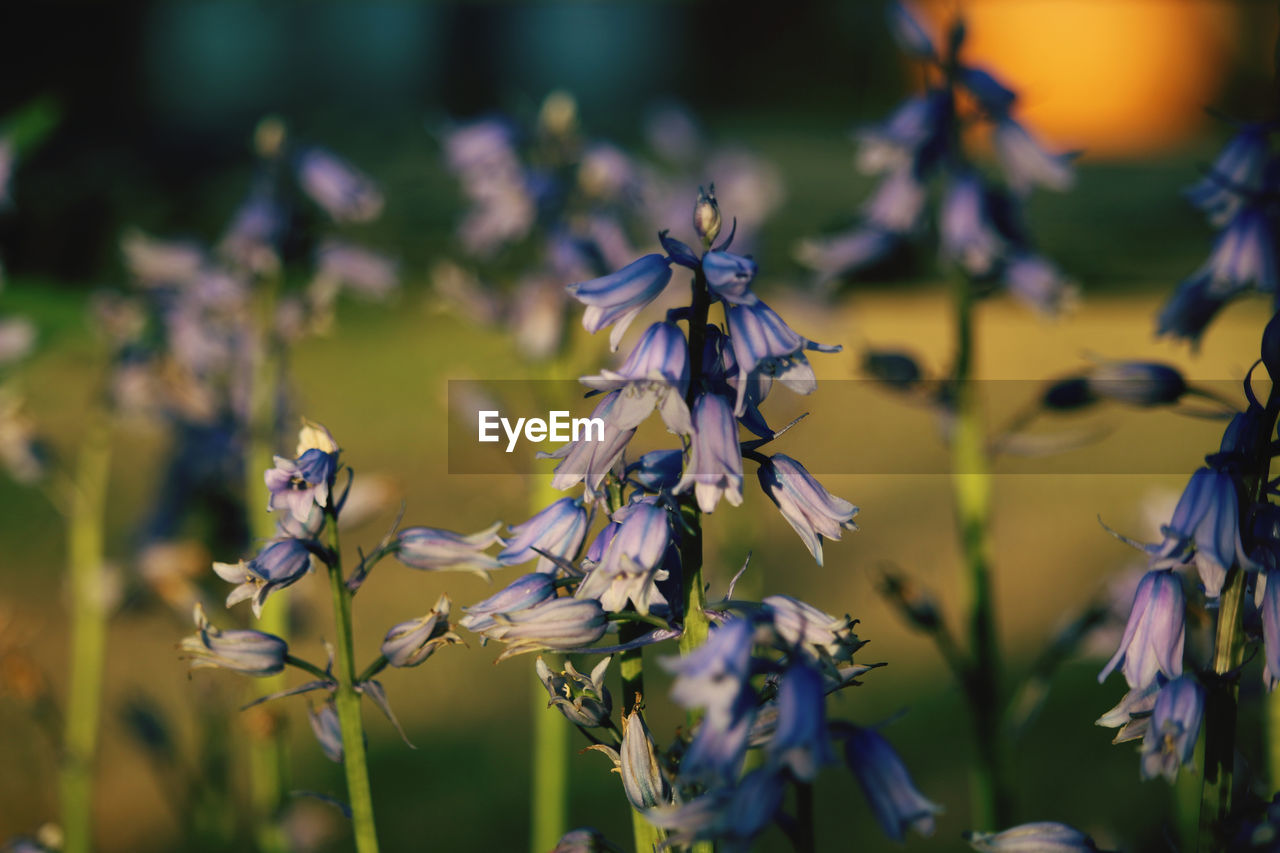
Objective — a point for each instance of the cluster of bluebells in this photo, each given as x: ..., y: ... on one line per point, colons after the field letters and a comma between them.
x: 1238, y: 196
x: 203, y: 321
x: 760, y: 680
x: 545, y: 205
x: 1220, y: 524
x: 303, y: 493
x: 978, y: 218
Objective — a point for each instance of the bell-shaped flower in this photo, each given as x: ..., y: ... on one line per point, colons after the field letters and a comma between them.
x: 656, y: 470
x: 617, y: 298
x: 906, y: 137
x: 800, y: 740
x: 557, y: 530
x: 908, y: 33
x: 654, y: 375
x: 845, y: 253
x: 1238, y: 170
x: 521, y: 594
x: 803, y: 628
x: 362, y: 271
x: 327, y: 728
x: 410, y: 643
x: 1038, y: 837
x: 632, y: 562
x: 765, y: 346
x: 716, y: 678
x: 1038, y: 283
x: 1171, y: 736
x: 1244, y: 255
x: 1191, y: 308
x: 559, y: 623
x: 592, y: 456
x: 1155, y: 634
x: 810, y: 509
x: 645, y: 784
x: 299, y: 484
x: 897, y: 204
x: 281, y: 563
x: 1133, y: 713
x: 888, y: 787
x: 1025, y: 163
x: 342, y: 191
x: 715, y: 456
x: 246, y: 652
x: 969, y: 237
x: 1205, y: 527
x: 583, y: 699
x: 732, y: 814
x: 729, y: 276
x: 439, y: 550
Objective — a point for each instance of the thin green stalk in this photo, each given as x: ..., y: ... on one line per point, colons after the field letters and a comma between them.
x: 549, y: 800
x: 971, y: 482
x: 347, y: 702
x: 269, y: 750
x: 85, y: 523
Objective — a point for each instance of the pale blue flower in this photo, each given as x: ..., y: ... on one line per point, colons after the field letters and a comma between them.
x: 558, y: 623
x: 327, y: 728
x: 632, y: 562
x: 1238, y: 170
x: 654, y: 375
x: 591, y: 457
x: 969, y: 238
x: 1205, y: 528
x: 800, y: 740
x: 1025, y: 163
x: 729, y: 276
x: 524, y: 592
x: 1156, y: 631
x: 715, y: 456
x: 1173, y: 729
x: 888, y: 787
x: 805, y: 629
x: 438, y: 550
x: 583, y: 699
x: 246, y: 652
x: 411, y: 643
x: 765, y: 347
x: 810, y: 509
x: 557, y: 530
x: 338, y: 187
x: 299, y: 484
x: 281, y: 563
x: 617, y: 298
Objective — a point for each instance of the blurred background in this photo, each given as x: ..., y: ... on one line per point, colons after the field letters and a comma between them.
x: 154, y: 108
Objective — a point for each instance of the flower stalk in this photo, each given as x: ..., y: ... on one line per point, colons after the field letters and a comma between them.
x: 85, y: 527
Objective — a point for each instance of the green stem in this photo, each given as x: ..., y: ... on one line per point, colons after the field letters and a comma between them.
x: 971, y: 482
x: 549, y: 802
x: 347, y: 701
x: 268, y: 750
x: 86, y: 525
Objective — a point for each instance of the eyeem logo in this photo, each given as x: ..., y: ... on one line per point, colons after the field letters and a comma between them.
x: 557, y: 427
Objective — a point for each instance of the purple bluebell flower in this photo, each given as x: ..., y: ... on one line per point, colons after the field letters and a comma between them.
x: 993, y: 96
x: 715, y: 457
x: 328, y: 730
x: 810, y: 509
x: 1025, y: 163
x: 1154, y: 636
x: 591, y: 457
x: 364, y: 272
x: 289, y: 527
x: 908, y: 33
x: 583, y: 699
x: 558, y: 530
x: 411, y: 643
x: 1269, y: 608
x: 732, y: 814
x: 246, y: 652
x: 887, y: 785
x: 1189, y: 311
x: 800, y: 741
x: 654, y: 375
x: 1039, y: 837
x: 1171, y: 735
x: 969, y: 236
x: 524, y: 592
x: 729, y: 276
x: 1037, y: 282
x: 1205, y: 527
x: 897, y: 204
x: 558, y: 623
x: 899, y: 141
x: 595, y: 551
x: 1133, y: 713
x: 845, y: 253
x: 281, y: 563
x: 1137, y: 383
x: 1244, y: 255
x: 617, y: 298
x: 297, y: 485
x: 765, y: 346
x: 657, y: 470
x: 1238, y: 170
x: 438, y: 550
x: 643, y: 780
x: 632, y: 562
x: 342, y: 191
x: 803, y: 628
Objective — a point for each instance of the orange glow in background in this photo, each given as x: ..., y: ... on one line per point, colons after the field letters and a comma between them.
x: 1113, y: 77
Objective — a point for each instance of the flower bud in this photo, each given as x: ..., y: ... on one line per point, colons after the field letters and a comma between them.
x: 706, y: 215
x: 246, y: 652
x: 410, y: 643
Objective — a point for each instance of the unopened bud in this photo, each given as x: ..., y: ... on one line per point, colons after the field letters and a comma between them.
x: 706, y: 215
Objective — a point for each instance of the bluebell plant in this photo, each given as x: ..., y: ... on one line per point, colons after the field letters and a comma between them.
x: 306, y: 496
x: 935, y: 189
x: 753, y: 676
x: 1215, y: 558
